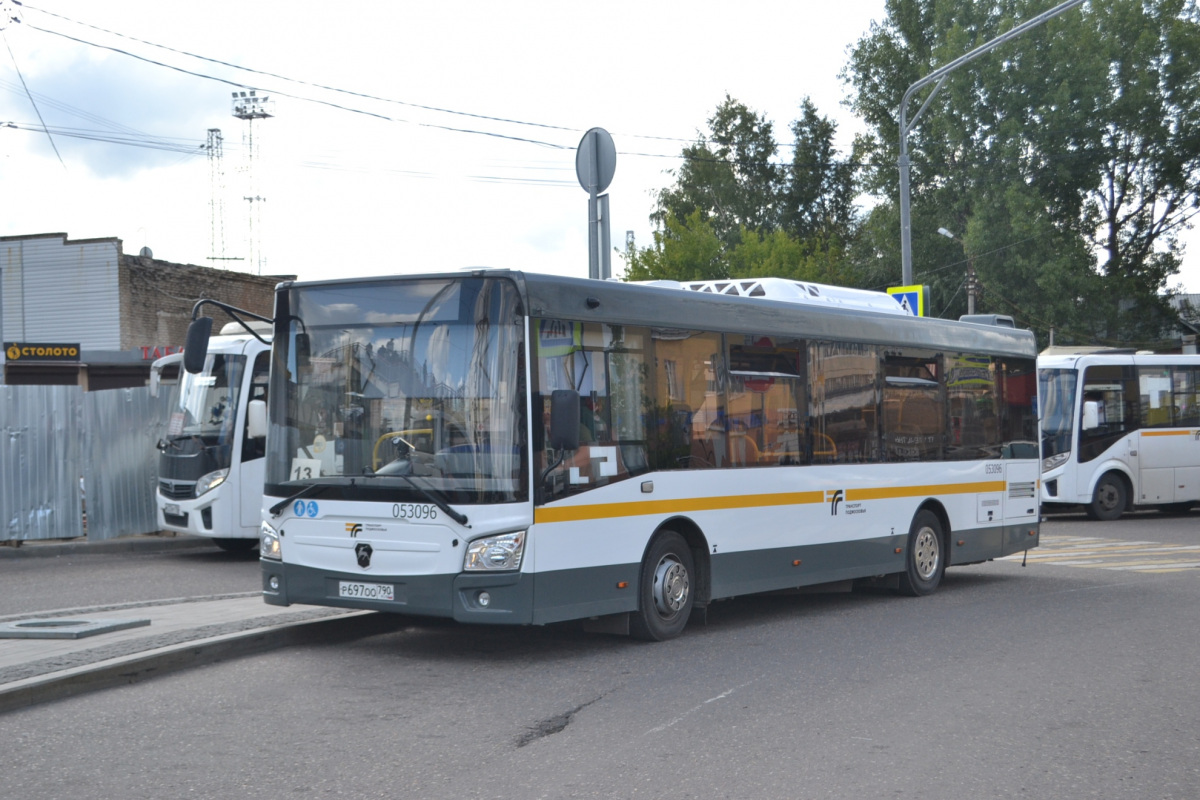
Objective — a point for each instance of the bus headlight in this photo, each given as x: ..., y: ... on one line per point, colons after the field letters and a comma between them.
x: 211, y: 481
x: 1056, y: 460
x: 268, y: 543
x: 495, y: 552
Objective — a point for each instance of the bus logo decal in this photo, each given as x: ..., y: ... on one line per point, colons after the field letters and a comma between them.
x: 363, y: 551
x: 354, y: 529
x: 834, y: 498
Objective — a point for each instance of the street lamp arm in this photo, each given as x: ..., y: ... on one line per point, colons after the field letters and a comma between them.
x: 904, y: 106
x: 939, y: 75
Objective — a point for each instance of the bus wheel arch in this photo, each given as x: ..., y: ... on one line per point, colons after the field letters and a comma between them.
x: 926, y: 552
x: 672, y: 581
x: 1110, y: 497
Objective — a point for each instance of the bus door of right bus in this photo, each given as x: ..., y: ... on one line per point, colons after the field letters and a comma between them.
x: 1107, y: 421
x: 1168, y: 442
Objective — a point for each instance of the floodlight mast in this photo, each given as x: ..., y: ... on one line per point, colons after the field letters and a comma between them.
x: 939, y: 75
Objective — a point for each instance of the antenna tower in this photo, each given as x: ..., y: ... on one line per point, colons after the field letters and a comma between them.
x: 248, y: 106
x: 216, y: 172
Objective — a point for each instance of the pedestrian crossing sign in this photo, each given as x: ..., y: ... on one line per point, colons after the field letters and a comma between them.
x: 911, y: 298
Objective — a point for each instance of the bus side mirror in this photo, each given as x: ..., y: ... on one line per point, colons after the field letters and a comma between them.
x: 564, y: 419
x: 256, y: 419
x: 196, y: 349
x: 303, y: 349
x: 1091, y: 415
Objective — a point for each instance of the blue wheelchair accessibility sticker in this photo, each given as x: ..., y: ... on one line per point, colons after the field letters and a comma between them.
x: 302, y: 509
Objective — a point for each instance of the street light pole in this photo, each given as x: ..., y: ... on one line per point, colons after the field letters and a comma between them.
x: 939, y: 75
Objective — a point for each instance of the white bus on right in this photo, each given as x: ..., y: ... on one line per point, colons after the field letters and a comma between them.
x: 1120, y: 431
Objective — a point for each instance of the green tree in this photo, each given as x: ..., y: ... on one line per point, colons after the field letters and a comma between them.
x: 819, y: 187
x: 734, y: 210
x: 1066, y: 161
x: 728, y: 176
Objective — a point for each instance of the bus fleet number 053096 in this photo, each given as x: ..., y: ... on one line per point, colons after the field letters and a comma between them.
x: 415, y: 511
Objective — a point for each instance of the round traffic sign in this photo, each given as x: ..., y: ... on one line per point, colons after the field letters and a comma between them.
x: 596, y: 160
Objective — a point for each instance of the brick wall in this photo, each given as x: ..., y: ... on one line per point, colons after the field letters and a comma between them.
x: 157, y: 298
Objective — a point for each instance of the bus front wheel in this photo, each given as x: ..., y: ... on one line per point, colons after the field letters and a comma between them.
x: 925, y: 561
x: 1108, y: 501
x: 666, y: 590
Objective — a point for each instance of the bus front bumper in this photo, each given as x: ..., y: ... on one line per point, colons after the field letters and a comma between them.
x: 496, y: 598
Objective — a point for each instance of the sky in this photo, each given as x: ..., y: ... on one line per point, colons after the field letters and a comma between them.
x: 405, y: 137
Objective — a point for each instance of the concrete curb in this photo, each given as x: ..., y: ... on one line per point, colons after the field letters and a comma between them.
x: 141, y: 666
x: 47, y: 548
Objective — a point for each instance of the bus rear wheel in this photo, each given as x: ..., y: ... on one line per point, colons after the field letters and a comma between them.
x: 925, y: 560
x: 1108, y: 501
x: 666, y: 589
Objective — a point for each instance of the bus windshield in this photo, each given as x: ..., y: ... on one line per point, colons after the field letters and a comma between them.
x: 393, y: 390
x: 1057, y: 388
x: 207, y: 401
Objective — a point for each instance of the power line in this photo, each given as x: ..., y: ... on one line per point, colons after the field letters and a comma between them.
x: 330, y: 104
x: 30, y: 96
x: 303, y: 82
x: 832, y: 163
x: 194, y: 147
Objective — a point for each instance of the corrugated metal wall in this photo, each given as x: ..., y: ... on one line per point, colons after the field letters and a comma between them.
x: 61, y: 444
x: 40, y: 464
x: 44, y: 275
x: 120, y: 462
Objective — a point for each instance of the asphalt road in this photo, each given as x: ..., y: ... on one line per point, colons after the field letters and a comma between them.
x: 1071, y: 677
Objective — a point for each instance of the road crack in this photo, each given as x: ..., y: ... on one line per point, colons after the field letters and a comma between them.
x: 552, y: 725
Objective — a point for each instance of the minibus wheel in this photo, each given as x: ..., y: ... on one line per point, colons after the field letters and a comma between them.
x: 1108, y: 501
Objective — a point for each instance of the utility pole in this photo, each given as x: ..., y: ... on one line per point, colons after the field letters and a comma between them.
x: 939, y: 75
x: 972, y: 284
x: 215, y: 147
x: 249, y: 106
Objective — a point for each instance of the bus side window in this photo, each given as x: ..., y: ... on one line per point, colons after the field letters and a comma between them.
x: 1186, y: 411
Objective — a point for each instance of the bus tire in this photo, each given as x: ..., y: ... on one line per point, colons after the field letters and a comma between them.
x: 925, y: 559
x: 1109, y: 498
x: 236, y: 545
x: 666, y: 589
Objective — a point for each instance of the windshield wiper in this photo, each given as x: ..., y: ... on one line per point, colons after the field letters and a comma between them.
x: 440, y: 502
x: 173, y: 443
x: 307, y: 491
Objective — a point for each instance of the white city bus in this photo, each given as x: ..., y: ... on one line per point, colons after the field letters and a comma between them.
x: 210, y: 469
x: 499, y: 447
x: 1119, y: 431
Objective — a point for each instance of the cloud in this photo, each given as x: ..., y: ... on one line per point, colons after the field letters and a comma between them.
x: 162, y: 117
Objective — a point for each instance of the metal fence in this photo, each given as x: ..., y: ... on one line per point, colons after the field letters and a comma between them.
x: 75, y: 463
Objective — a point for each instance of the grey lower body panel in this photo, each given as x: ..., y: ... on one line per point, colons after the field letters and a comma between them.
x: 984, y: 544
x: 580, y: 593
x: 806, y: 565
x: 509, y: 594
x: 545, y: 597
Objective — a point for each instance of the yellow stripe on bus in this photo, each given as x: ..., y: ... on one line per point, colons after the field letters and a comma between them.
x: 693, y: 504
x: 603, y: 510
x: 893, y: 492
x: 1168, y: 433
